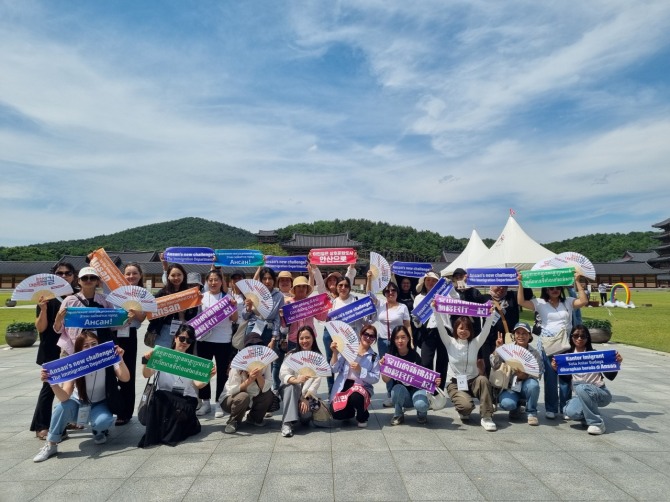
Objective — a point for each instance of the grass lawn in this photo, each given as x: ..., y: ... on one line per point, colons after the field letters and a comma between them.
x: 647, y: 327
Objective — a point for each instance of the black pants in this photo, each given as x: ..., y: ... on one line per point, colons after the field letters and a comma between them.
x: 45, y: 402
x: 355, y: 406
x: 603, y: 298
x: 127, y: 389
x: 431, y: 343
x: 221, y: 352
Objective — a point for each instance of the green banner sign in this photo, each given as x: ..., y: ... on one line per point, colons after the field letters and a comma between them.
x: 548, y: 278
x: 180, y: 364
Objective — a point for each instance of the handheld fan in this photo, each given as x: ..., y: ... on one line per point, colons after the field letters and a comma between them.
x: 252, y: 357
x: 346, y: 339
x: 518, y: 358
x: 381, y: 272
x: 306, y: 362
x: 133, y: 297
x: 257, y: 293
x: 47, y: 285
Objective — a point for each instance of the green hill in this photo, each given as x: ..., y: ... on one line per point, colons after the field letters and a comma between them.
x: 157, y: 236
x: 605, y: 247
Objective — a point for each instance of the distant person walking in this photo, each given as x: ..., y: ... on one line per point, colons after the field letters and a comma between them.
x: 602, y: 289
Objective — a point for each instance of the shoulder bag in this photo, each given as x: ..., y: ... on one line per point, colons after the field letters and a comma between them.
x: 145, y: 400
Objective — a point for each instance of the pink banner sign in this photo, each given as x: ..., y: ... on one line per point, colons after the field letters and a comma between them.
x: 409, y: 373
x: 309, y: 307
x: 332, y: 256
x: 452, y: 306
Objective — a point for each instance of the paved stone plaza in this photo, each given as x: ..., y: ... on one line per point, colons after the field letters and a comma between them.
x: 446, y: 460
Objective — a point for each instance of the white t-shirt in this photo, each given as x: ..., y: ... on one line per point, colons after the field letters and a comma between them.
x: 553, y: 319
x: 167, y: 381
x: 222, y: 332
x: 389, y: 319
x: 95, y: 386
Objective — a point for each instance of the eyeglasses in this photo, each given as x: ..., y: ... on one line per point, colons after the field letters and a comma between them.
x: 185, y: 339
x: 391, y: 291
x: 67, y: 273
x: 579, y: 337
x: 369, y: 335
x: 343, y: 286
x: 88, y: 278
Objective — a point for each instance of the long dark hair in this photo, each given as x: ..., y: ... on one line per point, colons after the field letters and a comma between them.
x: 70, y: 267
x: 544, y: 294
x: 139, y: 269
x: 393, y: 350
x: 185, y: 329
x: 273, y: 274
x: 589, y: 346
x: 169, y: 288
x: 80, y: 383
x: 315, y: 346
x: 220, y: 276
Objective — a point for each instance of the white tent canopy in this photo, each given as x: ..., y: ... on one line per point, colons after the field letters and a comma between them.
x: 514, y: 248
x: 474, y: 251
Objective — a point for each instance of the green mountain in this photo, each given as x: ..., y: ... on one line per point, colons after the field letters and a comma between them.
x: 158, y: 236
x: 605, y: 247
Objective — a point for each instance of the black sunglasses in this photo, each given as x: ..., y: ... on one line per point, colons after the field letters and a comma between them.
x: 579, y: 337
x: 369, y: 335
x: 88, y: 278
x: 64, y: 274
x: 389, y: 291
x: 185, y: 339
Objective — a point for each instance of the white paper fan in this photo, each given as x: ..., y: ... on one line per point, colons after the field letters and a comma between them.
x: 252, y: 357
x: 257, y: 293
x: 581, y: 263
x: 550, y: 264
x: 381, y: 272
x: 47, y: 285
x: 133, y: 297
x: 311, y: 364
x: 346, y: 339
x: 518, y: 358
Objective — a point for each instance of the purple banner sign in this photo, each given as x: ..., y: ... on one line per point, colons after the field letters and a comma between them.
x: 410, y: 269
x: 354, y: 311
x: 424, y: 309
x: 409, y: 373
x: 452, y: 306
x: 207, y: 319
x: 82, y: 363
x: 309, y: 307
x: 492, y: 277
x: 288, y: 263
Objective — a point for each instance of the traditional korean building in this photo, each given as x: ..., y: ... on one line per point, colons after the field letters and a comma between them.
x: 662, y: 261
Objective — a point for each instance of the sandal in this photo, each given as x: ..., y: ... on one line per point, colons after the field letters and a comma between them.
x: 42, y: 434
x: 121, y: 421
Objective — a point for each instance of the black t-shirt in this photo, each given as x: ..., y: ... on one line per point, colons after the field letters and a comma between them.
x: 48, y: 349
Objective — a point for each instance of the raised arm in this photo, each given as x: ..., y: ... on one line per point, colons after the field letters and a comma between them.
x: 520, y: 298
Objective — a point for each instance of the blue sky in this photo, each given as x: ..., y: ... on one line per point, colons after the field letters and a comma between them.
x: 439, y: 115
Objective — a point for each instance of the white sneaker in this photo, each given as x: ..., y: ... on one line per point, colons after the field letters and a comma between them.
x: 550, y: 415
x: 219, y: 414
x: 596, y: 430
x: 48, y: 450
x: 204, y: 409
x: 287, y: 431
x: 388, y: 403
x: 362, y: 425
x: 489, y: 425
x: 100, y: 438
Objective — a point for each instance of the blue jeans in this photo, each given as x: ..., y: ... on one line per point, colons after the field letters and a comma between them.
x: 402, y: 399
x: 554, y: 398
x: 101, y: 419
x: 530, y: 389
x: 383, y: 346
x: 585, y: 405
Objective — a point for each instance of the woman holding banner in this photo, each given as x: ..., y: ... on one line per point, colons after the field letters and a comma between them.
x: 300, y: 291
x: 589, y: 388
x: 217, y: 342
x: 167, y: 326
x: 89, y: 280
x: 403, y: 395
x: 556, y: 315
x: 126, y: 338
x: 465, y: 382
x: 353, y: 385
x: 297, y: 390
x: 171, y: 412
x: 87, y: 399
x: 48, y: 349
x: 427, y: 335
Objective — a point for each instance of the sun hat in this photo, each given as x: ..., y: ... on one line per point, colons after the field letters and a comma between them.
x: 88, y: 271
x: 301, y: 280
x: 431, y: 274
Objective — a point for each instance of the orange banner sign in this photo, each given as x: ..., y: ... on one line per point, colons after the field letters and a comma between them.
x: 176, y: 302
x: 108, y: 271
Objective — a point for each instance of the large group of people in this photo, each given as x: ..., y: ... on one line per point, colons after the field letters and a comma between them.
x: 460, y: 349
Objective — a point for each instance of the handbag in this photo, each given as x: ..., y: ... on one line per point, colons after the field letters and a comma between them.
x: 509, y: 337
x: 145, y: 400
x: 322, y: 412
x: 437, y: 401
x: 556, y: 344
x: 150, y: 338
x: 500, y: 378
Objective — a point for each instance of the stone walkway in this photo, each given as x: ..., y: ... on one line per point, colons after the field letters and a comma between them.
x: 445, y: 460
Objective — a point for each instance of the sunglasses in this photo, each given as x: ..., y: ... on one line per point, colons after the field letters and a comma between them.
x: 185, y: 339
x: 389, y: 291
x: 370, y: 335
x: 579, y: 337
x: 64, y: 274
x: 88, y: 278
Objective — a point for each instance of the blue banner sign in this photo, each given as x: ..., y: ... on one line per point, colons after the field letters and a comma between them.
x: 492, y: 277
x: 189, y: 256
x: 595, y: 361
x: 424, y: 309
x: 410, y: 269
x: 354, y: 311
x: 288, y: 263
x: 239, y: 258
x: 81, y: 363
x: 92, y: 318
